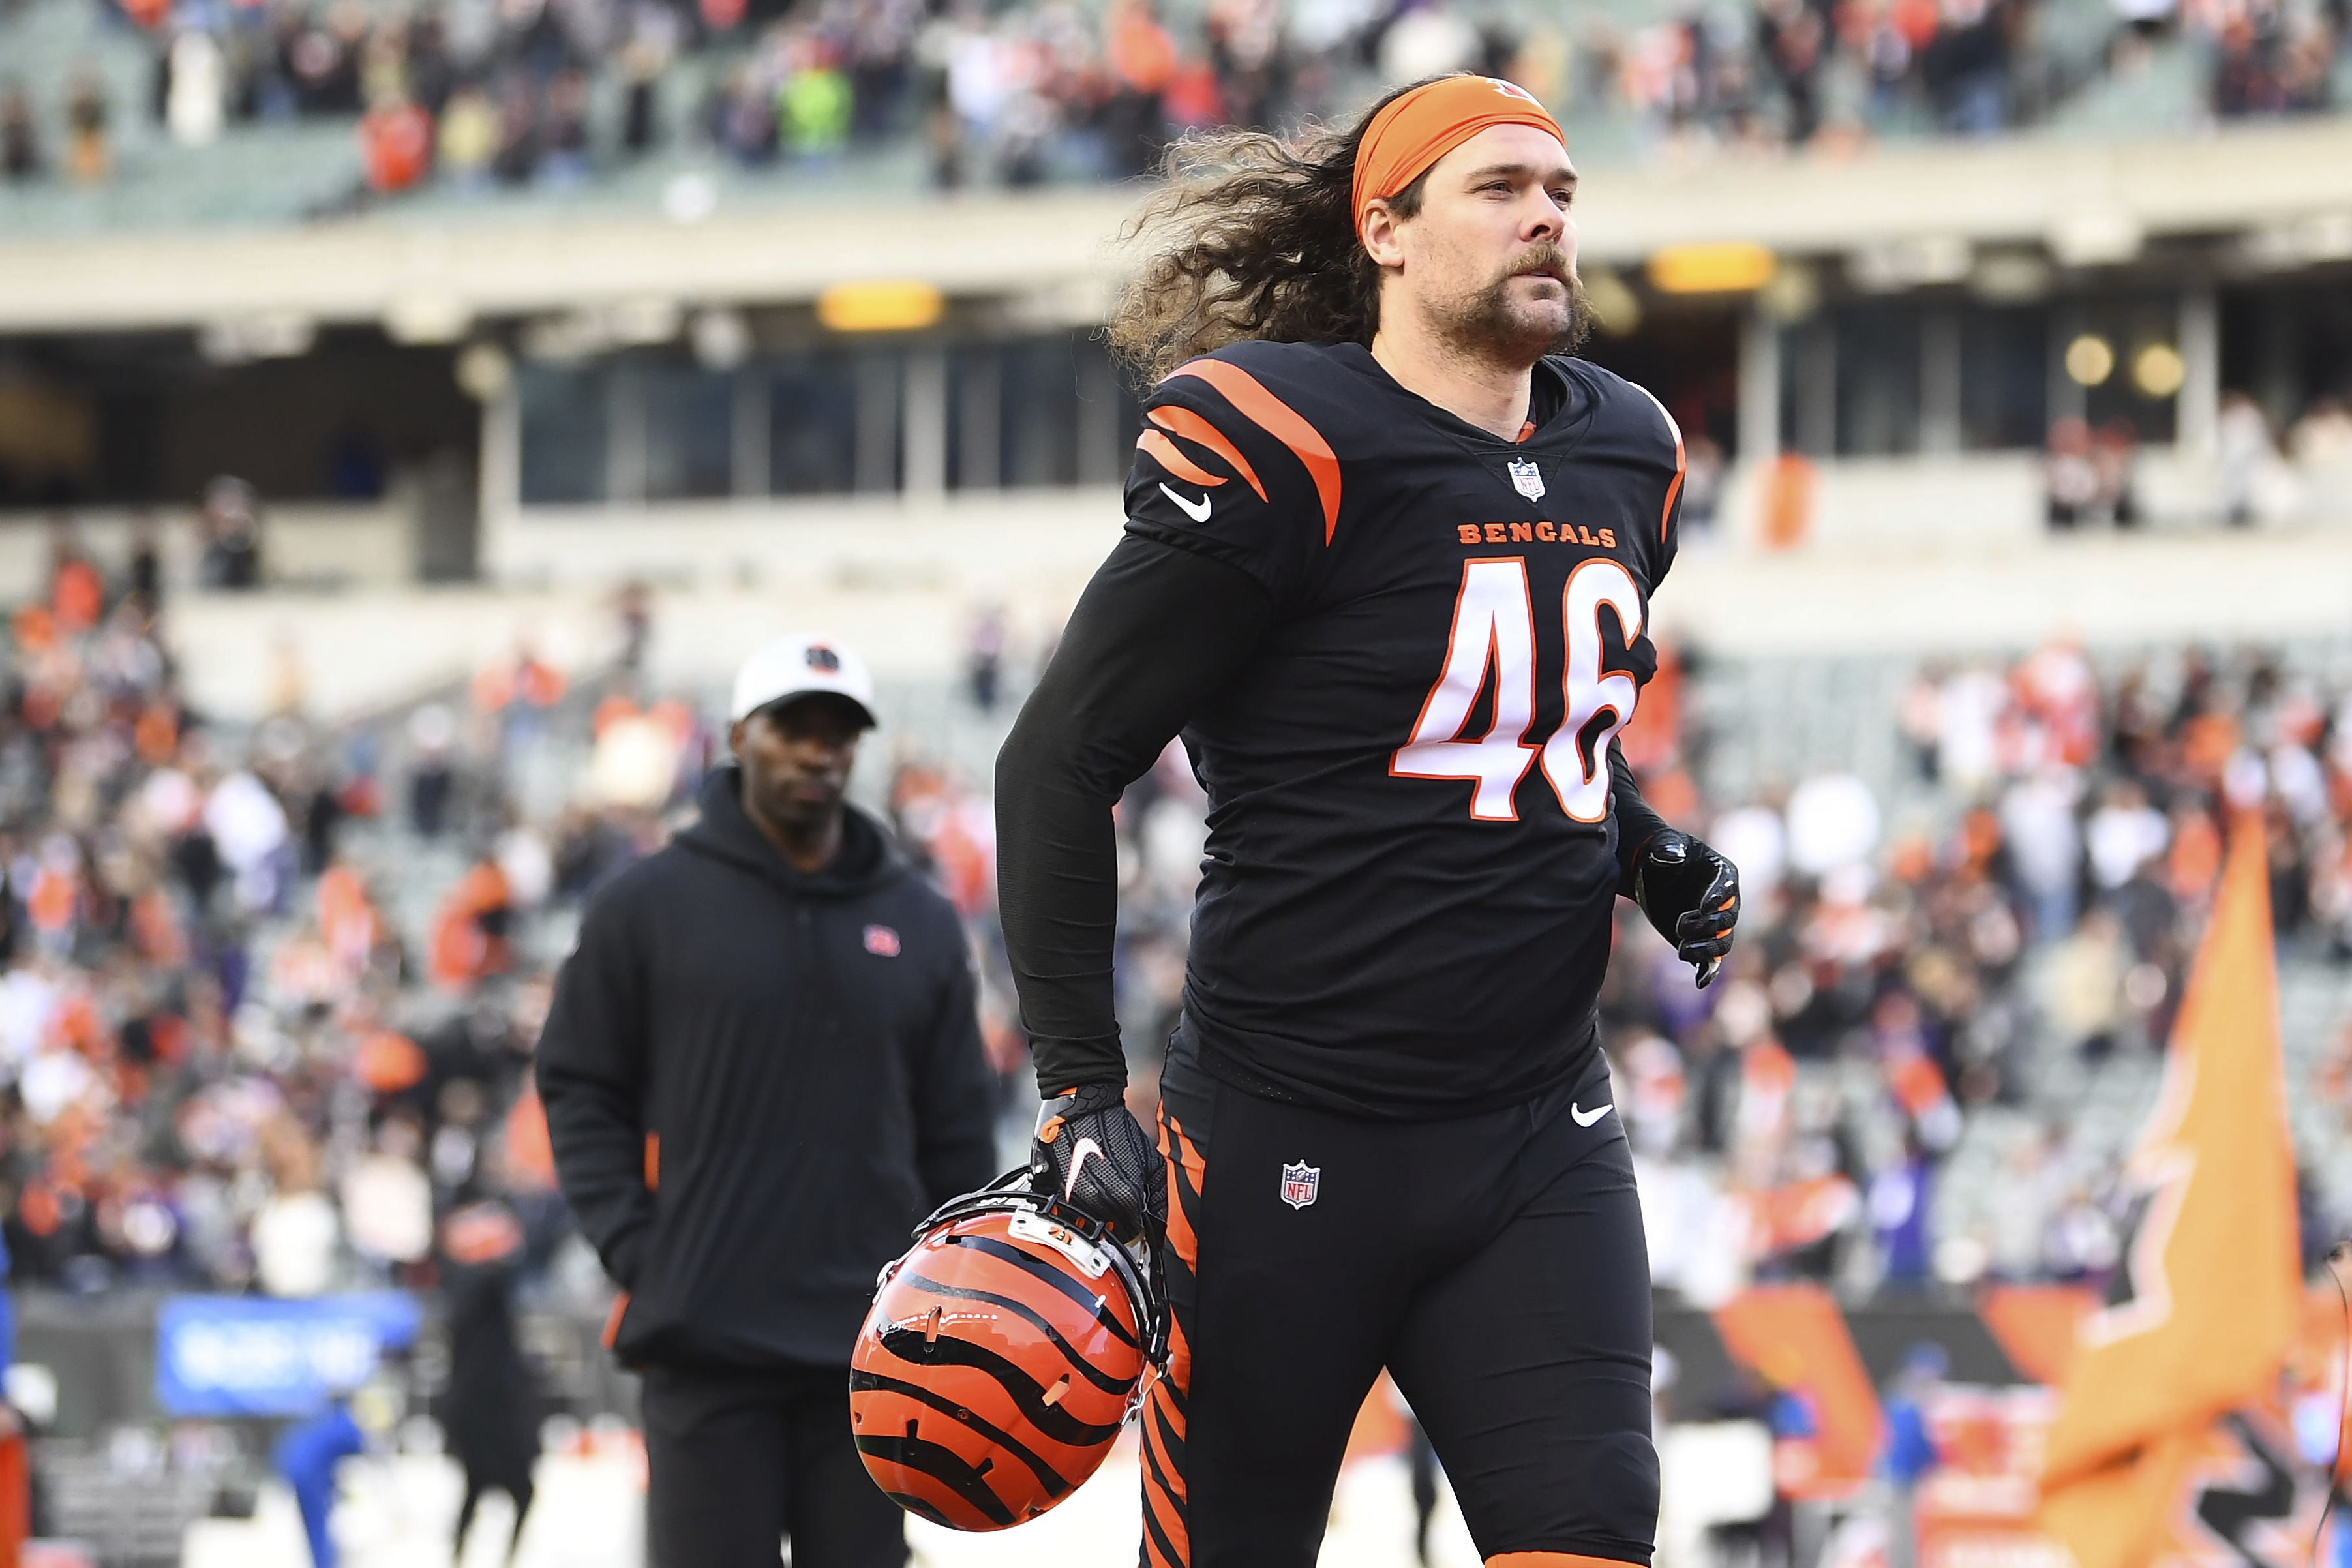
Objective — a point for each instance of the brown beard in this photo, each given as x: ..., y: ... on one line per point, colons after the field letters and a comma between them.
x: 1491, y: 325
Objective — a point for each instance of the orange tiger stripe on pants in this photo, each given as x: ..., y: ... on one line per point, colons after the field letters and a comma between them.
x: 1167, y: 1532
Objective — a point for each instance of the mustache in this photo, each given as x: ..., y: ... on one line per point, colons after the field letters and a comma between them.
x: 1544, y: 258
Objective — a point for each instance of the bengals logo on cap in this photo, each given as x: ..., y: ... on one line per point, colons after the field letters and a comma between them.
x: 820, y: 657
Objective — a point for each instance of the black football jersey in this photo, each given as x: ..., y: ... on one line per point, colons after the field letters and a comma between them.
x: 1405, y: 904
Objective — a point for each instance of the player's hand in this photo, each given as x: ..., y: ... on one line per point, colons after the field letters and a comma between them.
x: 1092, y: 1155
x: 1692, y: 895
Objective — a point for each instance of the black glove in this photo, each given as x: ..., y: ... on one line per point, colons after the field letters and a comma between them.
x: 1091, y: 1154
x: 1692, y: 895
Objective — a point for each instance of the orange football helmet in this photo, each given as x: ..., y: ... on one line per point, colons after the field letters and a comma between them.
x: 1002, y: 1356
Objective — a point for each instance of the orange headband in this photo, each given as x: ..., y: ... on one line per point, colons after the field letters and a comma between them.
x: 1421, y: 126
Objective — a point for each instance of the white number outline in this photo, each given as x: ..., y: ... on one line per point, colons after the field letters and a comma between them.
x: 1586, y: 690
x: 1494, y: 632
x: 1498, y: 760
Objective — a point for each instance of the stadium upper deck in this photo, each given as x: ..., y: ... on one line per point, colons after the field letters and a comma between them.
x: 177, y: 111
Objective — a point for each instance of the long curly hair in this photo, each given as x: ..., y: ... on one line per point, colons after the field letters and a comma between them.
x: 1253, y: 237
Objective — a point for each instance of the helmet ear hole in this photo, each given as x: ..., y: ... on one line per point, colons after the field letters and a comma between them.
x: 1010, y: 1346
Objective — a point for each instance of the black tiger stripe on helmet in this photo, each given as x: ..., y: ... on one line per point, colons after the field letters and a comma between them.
x: 1001, y: 1359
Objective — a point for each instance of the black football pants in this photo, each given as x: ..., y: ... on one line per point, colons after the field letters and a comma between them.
x: 1495, y: 1264
x: 737, y: 1460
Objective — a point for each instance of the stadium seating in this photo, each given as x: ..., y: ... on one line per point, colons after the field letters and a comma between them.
x: 1610, y: 64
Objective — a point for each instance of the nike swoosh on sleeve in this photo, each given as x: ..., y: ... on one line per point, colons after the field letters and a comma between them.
x: 1584, y: 1118
x: 1197, y: 510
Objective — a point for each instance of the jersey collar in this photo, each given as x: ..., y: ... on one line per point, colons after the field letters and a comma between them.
x: 1571, y: 404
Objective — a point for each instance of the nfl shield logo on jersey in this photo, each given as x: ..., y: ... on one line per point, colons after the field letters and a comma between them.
x: 1298, y: 1183
x: 1526, y: 478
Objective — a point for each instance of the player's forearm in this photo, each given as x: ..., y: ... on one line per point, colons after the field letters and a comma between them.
x: 1637, y: 824
x: 1156, y: 630
x: 1057, y: 898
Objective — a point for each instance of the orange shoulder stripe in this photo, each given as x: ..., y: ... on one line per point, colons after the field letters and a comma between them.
x: 1673, y: 489
x: 1682, y: 462
x: 1166, y: 453
x: 1193, y: 427
x: 1279, y: 420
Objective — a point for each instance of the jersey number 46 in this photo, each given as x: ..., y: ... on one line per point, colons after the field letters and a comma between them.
x: 1495, y: 630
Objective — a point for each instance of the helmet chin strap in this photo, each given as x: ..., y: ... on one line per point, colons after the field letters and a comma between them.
x: 1138, y: 1266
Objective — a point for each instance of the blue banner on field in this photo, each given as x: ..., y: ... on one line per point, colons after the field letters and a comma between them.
x: 248, y: 1355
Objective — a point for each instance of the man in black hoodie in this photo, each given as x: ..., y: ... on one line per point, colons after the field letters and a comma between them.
x: 761, y: 1069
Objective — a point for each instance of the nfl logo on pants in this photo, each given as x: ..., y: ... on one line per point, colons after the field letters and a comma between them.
x: 1298, y: 1183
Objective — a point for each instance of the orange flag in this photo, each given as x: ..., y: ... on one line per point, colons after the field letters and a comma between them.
x: 2204, y: 1310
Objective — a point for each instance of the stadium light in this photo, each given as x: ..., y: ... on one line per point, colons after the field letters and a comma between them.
x: 894, y: 306
x: 721, y: 339
x: 567, y: 339
x: 2159, y: 370
x: 2090, y: 360
x: 426, y: 320
x: 1917, y: 261
x: 1793, y: 293
x: 2010, y: 278
x: 1735, y: 266
x: 270, y: 334
x: 484, y: 371
x: 644, y: 321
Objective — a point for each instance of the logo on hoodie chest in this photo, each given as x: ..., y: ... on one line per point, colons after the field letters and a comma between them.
x: 882, y: 941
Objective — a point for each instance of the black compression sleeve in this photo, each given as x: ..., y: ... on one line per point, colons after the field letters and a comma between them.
x: 1158, y: 629
x: 1637, y: 823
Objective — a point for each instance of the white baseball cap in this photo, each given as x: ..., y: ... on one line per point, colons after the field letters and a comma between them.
x: 801, y: 667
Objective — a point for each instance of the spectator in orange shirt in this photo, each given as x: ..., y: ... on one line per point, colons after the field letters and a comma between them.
x: 1142, y: 60
x: 77, y: 591
x: 520, y: 693
x: 395, y: 146
x: 469, y: 931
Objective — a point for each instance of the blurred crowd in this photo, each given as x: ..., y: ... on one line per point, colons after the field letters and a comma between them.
x: 2261, y: 472
x: 267, y: 993
x: 1943, y: 960
x: 480, y: 92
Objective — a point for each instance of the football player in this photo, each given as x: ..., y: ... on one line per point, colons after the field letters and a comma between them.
x: 1387, y: 568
